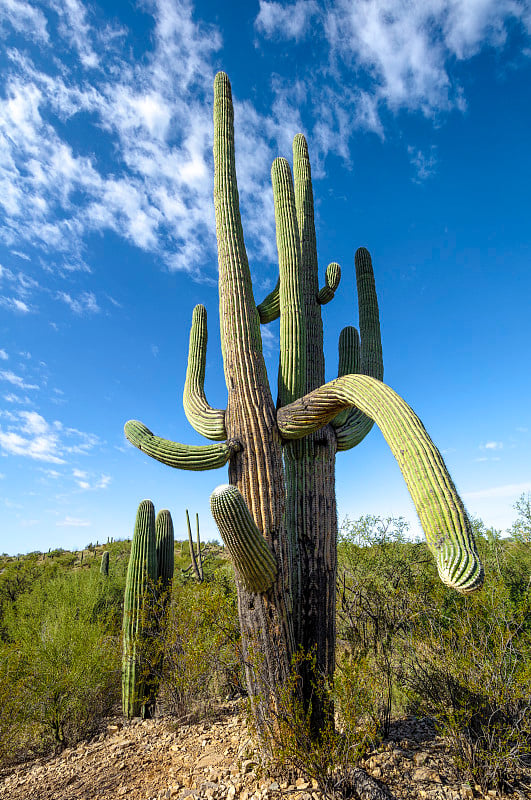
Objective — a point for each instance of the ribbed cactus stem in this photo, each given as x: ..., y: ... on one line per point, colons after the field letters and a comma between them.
x: 292, y: 364
x: 208, y: 421
x: 269, y: 308
x: 164, y: 539
x: 349, y: 364
x: 440, y: 509
x: 140, y: 582
x: 104, y: 568
x: 197, y: 562
x: 254, y: 562
x: 179, y: 456
x: 332, y: 278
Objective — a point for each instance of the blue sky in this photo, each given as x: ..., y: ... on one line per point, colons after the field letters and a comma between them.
x: 417, y: 116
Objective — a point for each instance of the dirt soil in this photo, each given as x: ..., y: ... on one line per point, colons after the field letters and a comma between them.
x: 159, y: 760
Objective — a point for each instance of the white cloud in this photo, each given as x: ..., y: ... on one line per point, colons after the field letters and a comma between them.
x: 86, y: 303
x: 73, y: 522
x: 16, y: 380
x: 505, y: 491
x: 28, y: 434
x: 424, y: 163
x: 400, y: 53
x: 24, y: 18
x: 3, y: 355
x: 290, y: 21
x: 493, y: 446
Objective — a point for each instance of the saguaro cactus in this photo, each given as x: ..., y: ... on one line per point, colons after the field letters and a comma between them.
x: 104, y: 568
x: 137, y: 691
x: 277, y: 516
x: 165, y: 546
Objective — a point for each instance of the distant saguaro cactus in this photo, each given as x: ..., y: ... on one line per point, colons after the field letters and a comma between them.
x: 197, y: 561
x: 278, y: 516
x: 165, y: 548
x: 137, y: 699
x: 104, y: 568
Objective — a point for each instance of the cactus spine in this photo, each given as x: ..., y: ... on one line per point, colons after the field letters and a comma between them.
x: 137, y: 699
x: 277, y: 516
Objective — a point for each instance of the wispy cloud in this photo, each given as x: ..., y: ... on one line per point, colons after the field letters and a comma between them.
x: 492, y: 446
x: 506, y: 491
x: 73, y: 522
x: 400, y: 55
x: 28, y: 434
x: 16, y: 380
x: 85, y: 304
x: 85, y: 481
x: 3, y: 355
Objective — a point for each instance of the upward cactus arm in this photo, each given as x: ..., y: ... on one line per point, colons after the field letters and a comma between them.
x: 440, y: 509
x: 269, y: 308
x: 180, y: 456
x: 354, y: 427
x: 208, y: 421
x: 292, y: 364
x: 332, y: 278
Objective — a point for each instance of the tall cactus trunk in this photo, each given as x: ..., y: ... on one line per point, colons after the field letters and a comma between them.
x: 250, y: 418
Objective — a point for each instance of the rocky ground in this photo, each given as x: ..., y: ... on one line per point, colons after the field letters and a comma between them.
x: 156, y: 759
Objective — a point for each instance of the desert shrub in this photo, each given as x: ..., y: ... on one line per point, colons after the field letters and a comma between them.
x: 384, y: 583
x: 471, y: 671
x: 327, y: 755
x: 62, y: 664
x: 201, y: 648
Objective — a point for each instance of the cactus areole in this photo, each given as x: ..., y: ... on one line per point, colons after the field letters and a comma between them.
x: 277, y: 515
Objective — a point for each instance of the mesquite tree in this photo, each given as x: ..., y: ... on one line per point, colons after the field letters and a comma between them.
x: 277, y: 515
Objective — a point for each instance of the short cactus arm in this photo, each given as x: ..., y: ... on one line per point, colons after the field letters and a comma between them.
x: 332, y: 278
x: 440, y: 509
x: 180, y: 456
x: 269, y: 308
x: 208, y: 421
x: 253, y: 560
x: 350, y: 431
x: 349, y: 364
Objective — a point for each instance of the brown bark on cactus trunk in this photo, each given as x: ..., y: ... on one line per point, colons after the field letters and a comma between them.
x: 250, y: 418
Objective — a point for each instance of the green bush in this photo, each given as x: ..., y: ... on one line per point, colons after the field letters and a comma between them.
x: 472, y: 673
x: 201, y: 648
x: 62, y: 663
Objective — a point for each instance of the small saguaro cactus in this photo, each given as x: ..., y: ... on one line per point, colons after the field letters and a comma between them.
x: 197, y: 560
x: 277, y: 515
x: 104, y: 568
x: 137, y: 691
x: 165, y: 548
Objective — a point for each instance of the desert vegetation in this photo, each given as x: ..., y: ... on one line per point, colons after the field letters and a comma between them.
x: 406, y: 644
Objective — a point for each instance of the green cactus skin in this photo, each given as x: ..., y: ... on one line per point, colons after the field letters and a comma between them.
x: 104, y: 568
x: 332, y: 278
x: 208, y: 421
x: 269, y: 308
x: 164, y: 545
x: 278, y: 515
x: 180, y: 456
x: 197, y: 561
x: 441, y: 512
x: 254, y: 562
x: 137, y: 698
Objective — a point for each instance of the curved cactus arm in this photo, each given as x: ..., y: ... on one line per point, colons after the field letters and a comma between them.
x: 440, y: 509
x: 332, y: 278
x: 208, y: 421
x: 180, y: 456
x: 353, y: 428
x: 253, y: 560
x: 269, y: 308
